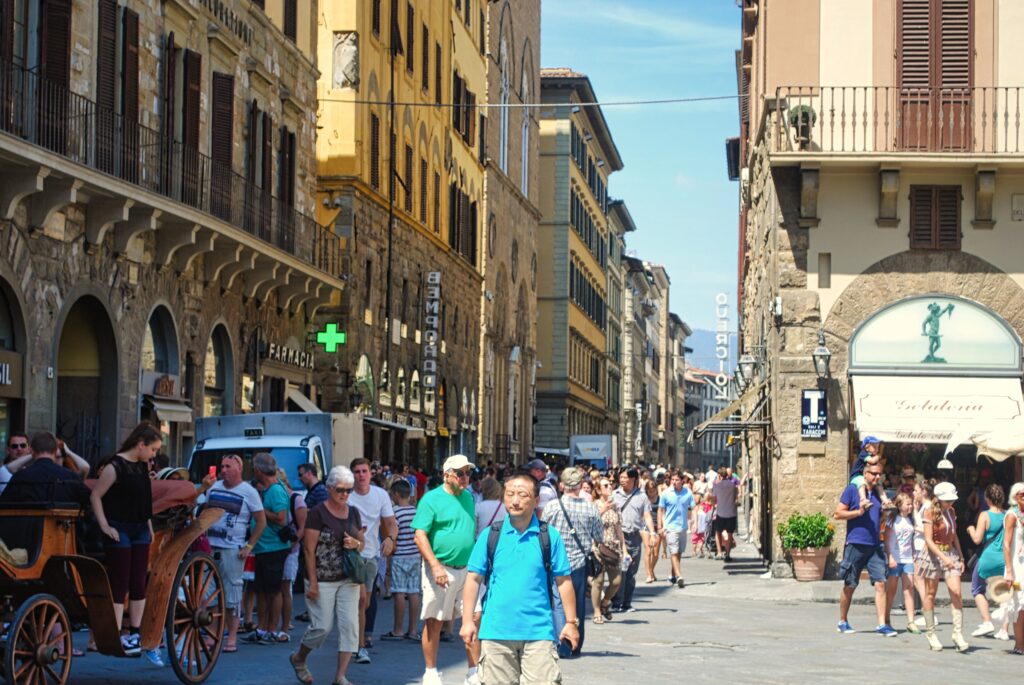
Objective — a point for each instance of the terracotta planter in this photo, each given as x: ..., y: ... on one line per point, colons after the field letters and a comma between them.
x: 809, y: 564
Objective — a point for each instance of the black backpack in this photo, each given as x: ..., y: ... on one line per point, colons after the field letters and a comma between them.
x: 544, y: 537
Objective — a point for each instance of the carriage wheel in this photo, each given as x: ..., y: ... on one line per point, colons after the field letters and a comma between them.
x: 38, y: 649
x: 195, y: 619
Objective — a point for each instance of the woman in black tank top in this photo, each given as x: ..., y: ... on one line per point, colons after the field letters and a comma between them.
x: 123, y: 503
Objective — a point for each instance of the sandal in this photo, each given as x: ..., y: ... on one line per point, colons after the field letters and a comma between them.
x: 416, y: 637
x: 77, y: 653
x: 301, y: 671
x: 606, y: 612
x: 229, y: 649
x: 390, y: 635
x: 598, y: 619
x: 1018, y: 652
x: 281, y: 636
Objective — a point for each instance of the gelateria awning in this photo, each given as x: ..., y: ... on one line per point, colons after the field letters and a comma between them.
x: 170, y: 409
x: 932, y: 409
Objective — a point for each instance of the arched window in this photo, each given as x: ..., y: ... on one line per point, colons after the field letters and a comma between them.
x: 160, y: 344
x: 503, y: 99
x: 6, y: 323
x: 524, y: 179
x: 218, y: 374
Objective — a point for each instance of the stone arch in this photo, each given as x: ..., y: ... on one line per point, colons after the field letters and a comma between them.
x: 912, y: 273
x: 527, y: 72
x: 507, y: 31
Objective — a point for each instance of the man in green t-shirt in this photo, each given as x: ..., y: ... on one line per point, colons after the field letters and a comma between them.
x: 270, y: 550
x: 445, y: 530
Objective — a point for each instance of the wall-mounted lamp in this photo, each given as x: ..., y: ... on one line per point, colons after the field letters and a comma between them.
x: 746, y: 368
x: 600, y: 162
x: 822, y: 356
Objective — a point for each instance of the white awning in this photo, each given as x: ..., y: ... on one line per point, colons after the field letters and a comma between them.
x: 302, y: 402
x: 411, y: 432
x: 933, y: 409
x: 170, y: 410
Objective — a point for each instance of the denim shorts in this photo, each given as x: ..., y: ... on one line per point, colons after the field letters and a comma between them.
x: 900, y: 569
x: 858, y: 557
x: 129, y: 533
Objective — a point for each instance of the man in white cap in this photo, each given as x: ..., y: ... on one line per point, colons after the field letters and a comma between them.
x: 445, y: 530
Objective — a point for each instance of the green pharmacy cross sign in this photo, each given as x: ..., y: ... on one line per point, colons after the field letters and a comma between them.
x: 330, y: 337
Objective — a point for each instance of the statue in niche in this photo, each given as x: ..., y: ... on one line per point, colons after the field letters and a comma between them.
x: 345, y: 73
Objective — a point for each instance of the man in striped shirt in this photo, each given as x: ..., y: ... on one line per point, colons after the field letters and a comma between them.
x: 579, y: 524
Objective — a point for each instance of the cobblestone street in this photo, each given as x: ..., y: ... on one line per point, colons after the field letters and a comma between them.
x: 725, y: 626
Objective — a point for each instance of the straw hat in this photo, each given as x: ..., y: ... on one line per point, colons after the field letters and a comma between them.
x: 999, y: 590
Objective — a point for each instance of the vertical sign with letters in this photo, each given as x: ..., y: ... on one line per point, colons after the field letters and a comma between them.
x: 431, y: 324
x: 814, y: 415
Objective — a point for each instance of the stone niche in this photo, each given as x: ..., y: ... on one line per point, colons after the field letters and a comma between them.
x: 345, y: 60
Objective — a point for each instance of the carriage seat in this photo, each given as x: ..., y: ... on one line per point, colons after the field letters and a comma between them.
x: 21, y: 528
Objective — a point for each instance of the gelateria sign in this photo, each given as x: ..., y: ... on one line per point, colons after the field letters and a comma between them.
x: 936, y: 335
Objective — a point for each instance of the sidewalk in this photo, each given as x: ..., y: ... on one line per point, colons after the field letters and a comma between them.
x: 744, y: 578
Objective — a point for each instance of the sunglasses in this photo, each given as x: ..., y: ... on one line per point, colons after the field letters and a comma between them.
x: 343, y: 491
x: 18, y: 445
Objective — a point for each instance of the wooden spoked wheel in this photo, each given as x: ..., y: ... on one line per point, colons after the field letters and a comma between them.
x: 38, y: 649
x: 195, y: 619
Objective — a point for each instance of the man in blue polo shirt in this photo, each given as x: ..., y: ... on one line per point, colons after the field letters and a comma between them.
x: 516, y: 632
x: 674, y: 506
x: 863, y: 549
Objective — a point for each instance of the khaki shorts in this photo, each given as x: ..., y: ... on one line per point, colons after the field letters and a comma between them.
x: 515, y: 662
x: 442, y: 603
x: 230, y: 567
x: 676, y: 541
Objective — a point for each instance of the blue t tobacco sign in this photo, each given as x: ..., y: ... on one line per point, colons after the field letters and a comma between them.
x: 814, y: 415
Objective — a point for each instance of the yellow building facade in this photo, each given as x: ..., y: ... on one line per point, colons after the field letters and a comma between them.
x: 576, y: 157
x: 420, y: 371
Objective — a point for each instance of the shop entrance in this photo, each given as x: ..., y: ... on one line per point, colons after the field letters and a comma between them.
x: 87, y: 378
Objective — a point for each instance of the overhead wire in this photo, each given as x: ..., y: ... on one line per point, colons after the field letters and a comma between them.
x: 537, y: 105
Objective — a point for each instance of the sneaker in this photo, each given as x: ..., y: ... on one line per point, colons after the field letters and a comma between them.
x: 130, y: 644
x: 672, y: 580
x: 1001, y: 635
x: 362, y: 656
x: 154, y: 657
x: 432, y: 678
x: 984, y: 629
x: 472, y: 680
x: 845, y: 627
x: 680, y: 582
x: 886, y: 631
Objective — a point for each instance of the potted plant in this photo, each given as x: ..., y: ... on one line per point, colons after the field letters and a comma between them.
x: 802, y: 118
x: 807, y: 538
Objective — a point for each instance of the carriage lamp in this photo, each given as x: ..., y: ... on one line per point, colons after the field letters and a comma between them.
x: 822, y: 356
x: 746, y: 368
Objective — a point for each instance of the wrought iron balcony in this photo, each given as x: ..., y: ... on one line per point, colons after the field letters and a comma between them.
x: 872, y: 120
x: 50, y: 116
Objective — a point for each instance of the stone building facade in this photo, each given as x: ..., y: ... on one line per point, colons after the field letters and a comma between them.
x: 408, y: 209
x: 893, y: 248
x: 508, y: 359
x: 146, y: 269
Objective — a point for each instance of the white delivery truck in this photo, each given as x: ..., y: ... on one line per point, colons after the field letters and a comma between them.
x: 292, y: 437
x: 593, y: 451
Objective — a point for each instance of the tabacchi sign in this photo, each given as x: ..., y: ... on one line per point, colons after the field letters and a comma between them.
x: 722, y: 346
x: 432, y: 323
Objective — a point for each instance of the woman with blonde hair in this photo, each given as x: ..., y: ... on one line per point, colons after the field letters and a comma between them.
x: 899, y: 548
x: 1013, y: 557
x: 611, y: 549
x: 941, y: 559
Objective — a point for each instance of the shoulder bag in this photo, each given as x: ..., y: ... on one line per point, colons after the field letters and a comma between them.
x: 593, y: 564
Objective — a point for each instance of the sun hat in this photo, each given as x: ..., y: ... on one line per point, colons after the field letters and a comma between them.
x: 456, y: 462
x: 945, y: 464
x: 946, y: 492
x: 999, y: 589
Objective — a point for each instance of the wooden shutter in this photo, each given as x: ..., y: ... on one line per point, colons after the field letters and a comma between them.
x: 287, y: 168
x: 410, y: 38
x: 376, y: 17
x: 55, y: 70
x: 437, y: 202
x: 106, y: 83
x: 252, y: 146
x: 190, y: 170
x: 947, y: 230
x: 169, y: 114
x: 7, y: 32
x: 266, y: 175
x: 437, y: 73
x: 408, y: 179
x: 130, y: 97
x: 955, y: 74
x: 374, y: 151
x: 423, y: 190
x: 222, y: 125
x: 425, y: 48
x: 291, y: 19
x: 456, y: 102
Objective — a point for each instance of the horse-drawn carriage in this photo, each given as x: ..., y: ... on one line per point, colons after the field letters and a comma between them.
x: 46, y: 590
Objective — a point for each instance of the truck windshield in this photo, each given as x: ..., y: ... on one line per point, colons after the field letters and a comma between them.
x: 288, y: 458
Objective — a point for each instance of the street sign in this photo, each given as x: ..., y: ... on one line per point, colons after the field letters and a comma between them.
x: 330, y: 337
x: 814, y: 415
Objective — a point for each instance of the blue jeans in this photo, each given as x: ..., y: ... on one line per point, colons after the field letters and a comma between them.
x: 579, y: 588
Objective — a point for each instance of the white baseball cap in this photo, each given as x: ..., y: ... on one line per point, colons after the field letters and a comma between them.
x: 456, y: 462
x: 946, y: 492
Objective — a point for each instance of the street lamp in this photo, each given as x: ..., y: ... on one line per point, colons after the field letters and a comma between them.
x: 747, y: 367
x: 822, y: 356
x: 356, y: 399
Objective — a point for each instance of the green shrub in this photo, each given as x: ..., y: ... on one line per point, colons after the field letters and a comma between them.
x: 802, y: 115
x: 806, y: 530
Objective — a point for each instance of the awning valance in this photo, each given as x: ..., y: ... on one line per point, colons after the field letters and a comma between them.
x: 932, y: 409
x: 411, y: 432
x: 719, y: 419
x: 296, y: 397
x: 170, y: 410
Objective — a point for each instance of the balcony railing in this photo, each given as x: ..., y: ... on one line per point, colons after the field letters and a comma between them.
x: 885, y: 119
x: 51, y: 116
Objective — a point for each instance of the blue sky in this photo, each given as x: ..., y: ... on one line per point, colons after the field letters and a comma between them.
x: 674, y: 181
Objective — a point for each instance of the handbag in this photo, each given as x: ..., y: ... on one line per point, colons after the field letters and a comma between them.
x: 608, y: 554
x: 355, y: 567
x: 594, y: 567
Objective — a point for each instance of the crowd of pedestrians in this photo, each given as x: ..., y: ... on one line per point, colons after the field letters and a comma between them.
x: 913, y: 542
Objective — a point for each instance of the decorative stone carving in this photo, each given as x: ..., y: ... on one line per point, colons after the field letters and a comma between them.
x: 345, y: 67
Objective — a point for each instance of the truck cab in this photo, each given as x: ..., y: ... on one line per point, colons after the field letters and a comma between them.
x: 288, y: 450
